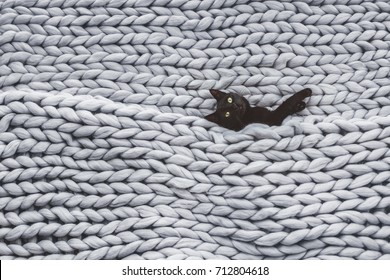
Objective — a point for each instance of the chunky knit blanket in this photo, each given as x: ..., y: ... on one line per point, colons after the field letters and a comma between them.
x: 105, y: 154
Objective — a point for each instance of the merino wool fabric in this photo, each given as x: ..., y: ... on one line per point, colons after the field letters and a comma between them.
x: 105, y: 152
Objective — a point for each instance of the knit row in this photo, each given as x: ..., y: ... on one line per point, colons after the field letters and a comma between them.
x: 228, y: 247
x: 320, y: 7
x: 356, y: 40
x: 271, y: 20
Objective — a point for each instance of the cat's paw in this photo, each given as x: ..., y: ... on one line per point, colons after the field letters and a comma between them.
x: 299, y: 106
x: 305, y: 93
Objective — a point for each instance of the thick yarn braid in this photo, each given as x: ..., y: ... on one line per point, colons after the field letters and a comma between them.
x: 105, y: 154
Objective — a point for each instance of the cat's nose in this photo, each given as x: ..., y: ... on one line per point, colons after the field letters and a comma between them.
x: 237, y: 107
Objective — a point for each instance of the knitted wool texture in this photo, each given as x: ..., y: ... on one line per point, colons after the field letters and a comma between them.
x: 105, y: 154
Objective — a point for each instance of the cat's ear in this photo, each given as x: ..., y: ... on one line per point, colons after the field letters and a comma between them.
x: 212, y: 117
x: 217, y: 94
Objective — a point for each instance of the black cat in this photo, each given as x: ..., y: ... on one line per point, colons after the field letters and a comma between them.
x: 234, y: 112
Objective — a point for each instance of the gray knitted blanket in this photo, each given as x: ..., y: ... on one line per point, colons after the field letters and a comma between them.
x: 105, y: 154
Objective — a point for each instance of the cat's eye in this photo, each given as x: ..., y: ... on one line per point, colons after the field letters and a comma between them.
x: 227, y: 114
x: 230, y: 100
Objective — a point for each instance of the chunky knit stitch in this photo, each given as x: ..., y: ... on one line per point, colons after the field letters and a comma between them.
x: 105, y: 154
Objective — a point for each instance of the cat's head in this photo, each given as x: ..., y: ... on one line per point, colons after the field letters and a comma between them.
x: 231, y: 109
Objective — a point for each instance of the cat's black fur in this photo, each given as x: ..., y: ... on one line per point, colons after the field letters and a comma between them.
x: 234, y: 112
